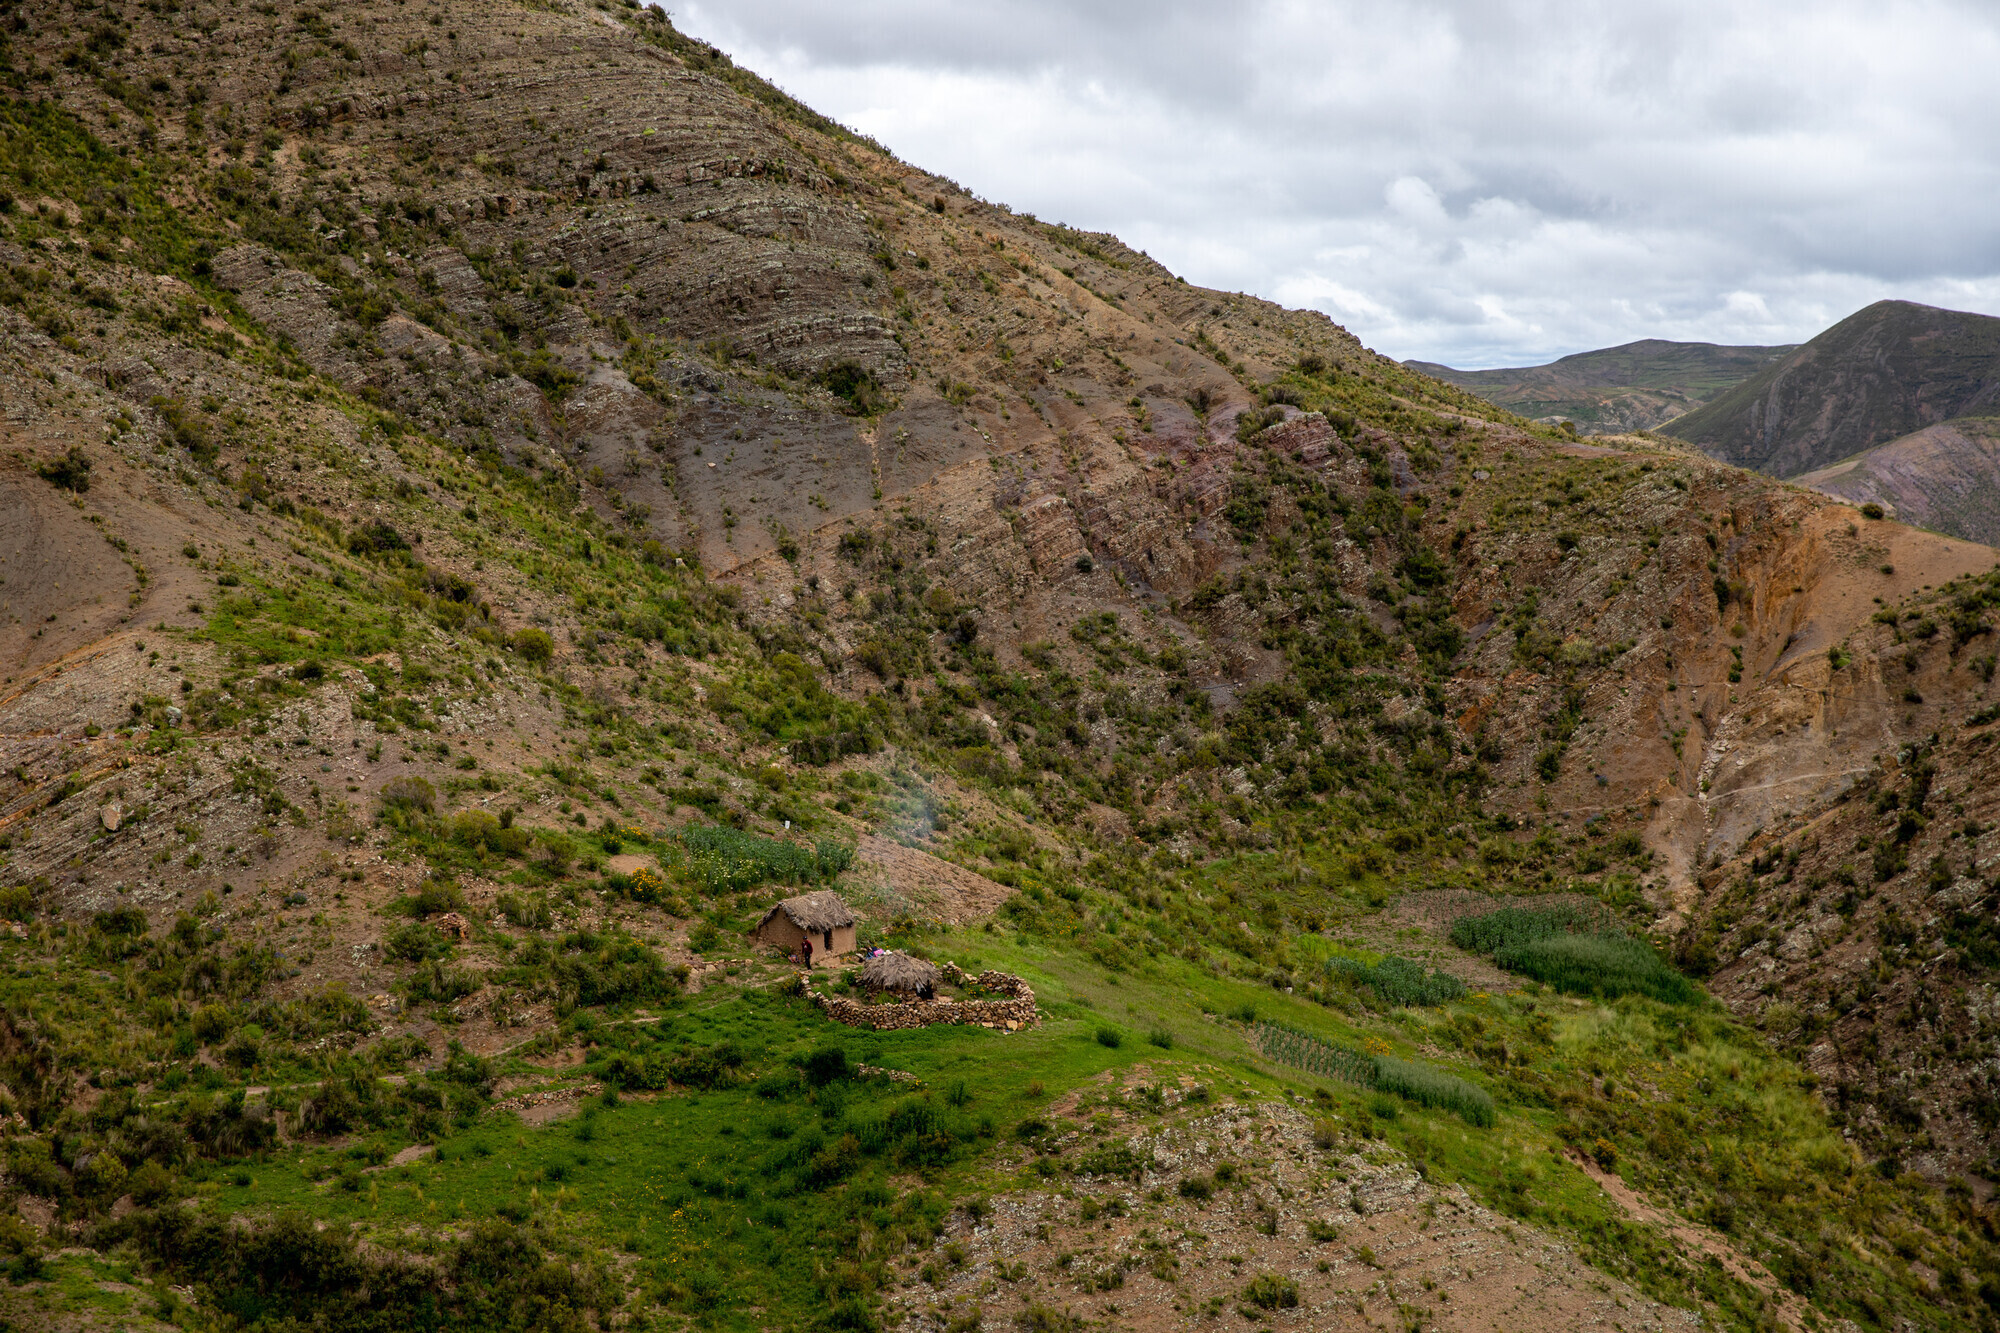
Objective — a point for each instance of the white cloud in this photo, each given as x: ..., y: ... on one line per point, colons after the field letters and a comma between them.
x: 1479, y: 182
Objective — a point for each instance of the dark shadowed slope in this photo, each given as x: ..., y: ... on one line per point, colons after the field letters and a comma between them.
x: 1883, y: 372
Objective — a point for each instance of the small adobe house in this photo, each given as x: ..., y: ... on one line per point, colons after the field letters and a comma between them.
x: 820, y: 917
x: 901, y: 974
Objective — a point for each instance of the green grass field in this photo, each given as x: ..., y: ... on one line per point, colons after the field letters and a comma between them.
x: 773, y: 1191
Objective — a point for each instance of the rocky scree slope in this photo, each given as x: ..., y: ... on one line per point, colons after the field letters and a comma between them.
x: 1942, y: 477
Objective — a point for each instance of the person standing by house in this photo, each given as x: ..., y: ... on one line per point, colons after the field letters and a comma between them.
x: 806, y: 951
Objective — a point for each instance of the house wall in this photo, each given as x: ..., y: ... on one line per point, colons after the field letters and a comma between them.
x: 781, y: 933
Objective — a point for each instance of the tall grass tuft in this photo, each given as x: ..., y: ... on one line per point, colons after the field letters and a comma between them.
x: 1432, y: 1087
x: 1578, y: 950
x: 1419, y: 1083
x: 1488, y: 931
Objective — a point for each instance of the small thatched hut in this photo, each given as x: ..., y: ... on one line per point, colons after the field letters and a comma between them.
x: 900, y: 973
x: 821, y: 918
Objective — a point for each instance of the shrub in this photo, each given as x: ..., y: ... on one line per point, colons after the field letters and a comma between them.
x: 414, y: 942
x: 1197, y: 1187
x: 432, y: 898
x: 856, y: 386
x: 243, y: 1052
x: 528, y: 912
x: 1871, y: 510
x: 478, y: 828
x: 149, y: 1183
x: 706, y: 1067
x: 70, y: 471
x: 534, y: 645
x: 436, y: 983
x: 376, y: 538
x: 1111, y: 1037
x: 826, y: 1065
x: 17, y: 902
x: 1161, y: 1038
x: 409, y: 793
x: 1270, y: 1291
x: 211, y: 1024
x: 1039, y: 1318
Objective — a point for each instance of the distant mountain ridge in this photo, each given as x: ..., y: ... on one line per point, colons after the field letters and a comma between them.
x: 1881, y: 373
x: 1636, y: 386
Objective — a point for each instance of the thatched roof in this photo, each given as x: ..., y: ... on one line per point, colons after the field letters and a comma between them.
x: 898, y: 971
x: 813, y: 911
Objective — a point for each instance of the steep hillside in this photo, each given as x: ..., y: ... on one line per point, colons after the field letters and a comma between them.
x: 1634, y: 387
x: 497, y: 495
x: 1945, y: 477
x: 1883, y: 372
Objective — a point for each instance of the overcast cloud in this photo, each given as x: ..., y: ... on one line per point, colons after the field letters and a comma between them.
x: 1478, y: 182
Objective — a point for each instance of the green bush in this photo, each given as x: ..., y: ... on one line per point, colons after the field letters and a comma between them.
x: 1109, y: 1036
x: 856, y: 386
x: 533, y: 645
x: 1270, y: 1291
x: 434, y: 897
x: 70, y: 471
x: 480, y: 829
x: 17, y: 902
x: 414, y: 942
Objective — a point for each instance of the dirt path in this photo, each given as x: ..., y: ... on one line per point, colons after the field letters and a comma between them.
x: 1689, y: 1237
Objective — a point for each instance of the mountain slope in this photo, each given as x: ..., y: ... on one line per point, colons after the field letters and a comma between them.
x: 1886, y: 371
x: 499, y: 494
x: 1634, y: 387
x: 1945, y: 477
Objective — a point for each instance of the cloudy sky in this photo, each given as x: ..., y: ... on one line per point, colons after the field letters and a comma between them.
x: 1478, y: 182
